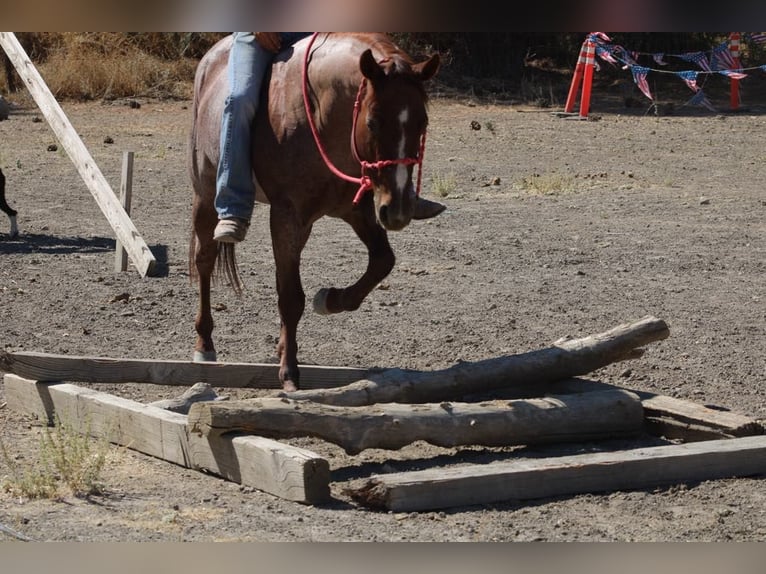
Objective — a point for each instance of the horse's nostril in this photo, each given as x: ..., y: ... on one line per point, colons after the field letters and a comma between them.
x: 383, y: 214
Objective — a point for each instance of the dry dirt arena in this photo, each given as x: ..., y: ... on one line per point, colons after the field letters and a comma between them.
x: 554, y: 227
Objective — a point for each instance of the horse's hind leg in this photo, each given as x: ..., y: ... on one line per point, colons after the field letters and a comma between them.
x: 203, y: 258
x: 380, y: 262
x: 11, y: 213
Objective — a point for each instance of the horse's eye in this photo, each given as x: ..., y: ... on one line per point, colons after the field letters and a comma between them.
x: 372, y: 124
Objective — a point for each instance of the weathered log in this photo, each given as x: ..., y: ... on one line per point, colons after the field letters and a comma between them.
x: 567, y: 418
x: 196, y: 393
x: 565, y: 359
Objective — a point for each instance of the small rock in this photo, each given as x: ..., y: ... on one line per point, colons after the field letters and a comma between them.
x: 121, y: 297
x: 53, y: 147
x: 108, y: 140
x: 704, y: 201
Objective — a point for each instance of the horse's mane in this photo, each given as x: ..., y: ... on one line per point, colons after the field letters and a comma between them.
x: 393, y: 59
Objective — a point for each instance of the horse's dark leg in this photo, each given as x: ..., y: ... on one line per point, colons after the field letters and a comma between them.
x: 11, y: 213
x: 288, y: 239
x: 203, y: 259
x: 379, y: 264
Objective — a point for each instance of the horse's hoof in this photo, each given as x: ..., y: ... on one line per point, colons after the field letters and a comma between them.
x: 204, y: 357
x: 289, y: 387
x: 320, y: 302
x: 14, y: 233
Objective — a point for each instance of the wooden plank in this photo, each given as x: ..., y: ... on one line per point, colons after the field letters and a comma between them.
x: 279, y: 469
x: 107, y: 200
x: 528, y: 479
x: 51, y: 368
x: 126, y: 199
x: 677, y: 418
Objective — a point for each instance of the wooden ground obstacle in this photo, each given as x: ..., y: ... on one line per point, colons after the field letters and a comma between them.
x: 529, y: 399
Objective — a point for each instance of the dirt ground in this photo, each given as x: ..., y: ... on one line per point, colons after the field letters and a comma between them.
x: 554, y: 227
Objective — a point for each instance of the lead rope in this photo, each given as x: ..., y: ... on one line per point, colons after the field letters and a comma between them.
x: 365, y: 182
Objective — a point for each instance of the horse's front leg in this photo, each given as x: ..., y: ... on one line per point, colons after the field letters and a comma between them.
x: 380, y: 262
x: 288, y: 238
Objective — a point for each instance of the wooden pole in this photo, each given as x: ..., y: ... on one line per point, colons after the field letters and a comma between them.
x: 565, y: 359
x: 102, y: 192
x: 126, y: 198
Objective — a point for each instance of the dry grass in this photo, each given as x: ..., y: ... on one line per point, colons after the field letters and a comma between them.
x: 67, y: 463
x: 548, y: 184
x: 443, y: 185
x: 108, y: 65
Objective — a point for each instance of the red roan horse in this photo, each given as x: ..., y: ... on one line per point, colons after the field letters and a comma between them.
x: 375, y: 148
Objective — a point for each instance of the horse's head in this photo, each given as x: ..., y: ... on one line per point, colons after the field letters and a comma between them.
x: 390, y: 133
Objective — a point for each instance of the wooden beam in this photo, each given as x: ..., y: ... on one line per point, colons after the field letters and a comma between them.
x: 667, y: 416
x: 680, y: 419
x: 565, y: 418
x: 528, y: 479
x: 282, y: 470
x: 54, y: 368
x: 107, y: 200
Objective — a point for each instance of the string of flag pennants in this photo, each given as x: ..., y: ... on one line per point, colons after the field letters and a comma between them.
x: 722, y: 59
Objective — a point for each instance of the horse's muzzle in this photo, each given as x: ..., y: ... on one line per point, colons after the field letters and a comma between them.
x: 393, y: 218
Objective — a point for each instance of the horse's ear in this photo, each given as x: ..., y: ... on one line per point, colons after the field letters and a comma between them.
x: 369, y: 66
x: 427, y: 69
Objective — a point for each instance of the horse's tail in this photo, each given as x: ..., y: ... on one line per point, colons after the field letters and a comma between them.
x: 225, y: 265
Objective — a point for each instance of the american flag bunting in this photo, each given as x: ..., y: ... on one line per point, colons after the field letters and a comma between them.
x: 639, y: 76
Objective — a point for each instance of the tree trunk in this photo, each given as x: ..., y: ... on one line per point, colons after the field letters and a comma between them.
x: 565, y: 359
x: 566, y: 418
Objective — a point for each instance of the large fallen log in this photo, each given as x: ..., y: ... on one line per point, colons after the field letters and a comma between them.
x: 565, y: 359
x: 568, y: 418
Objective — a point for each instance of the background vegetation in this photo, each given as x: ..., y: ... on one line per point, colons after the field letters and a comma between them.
x: 108, y: 65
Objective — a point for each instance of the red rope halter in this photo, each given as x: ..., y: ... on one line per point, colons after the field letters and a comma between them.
x: 365, y: 182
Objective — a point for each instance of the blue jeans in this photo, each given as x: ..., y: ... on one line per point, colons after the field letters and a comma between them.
x: 248, y: 64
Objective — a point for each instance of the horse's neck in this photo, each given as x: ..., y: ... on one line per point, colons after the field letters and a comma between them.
x: 333, y: 71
